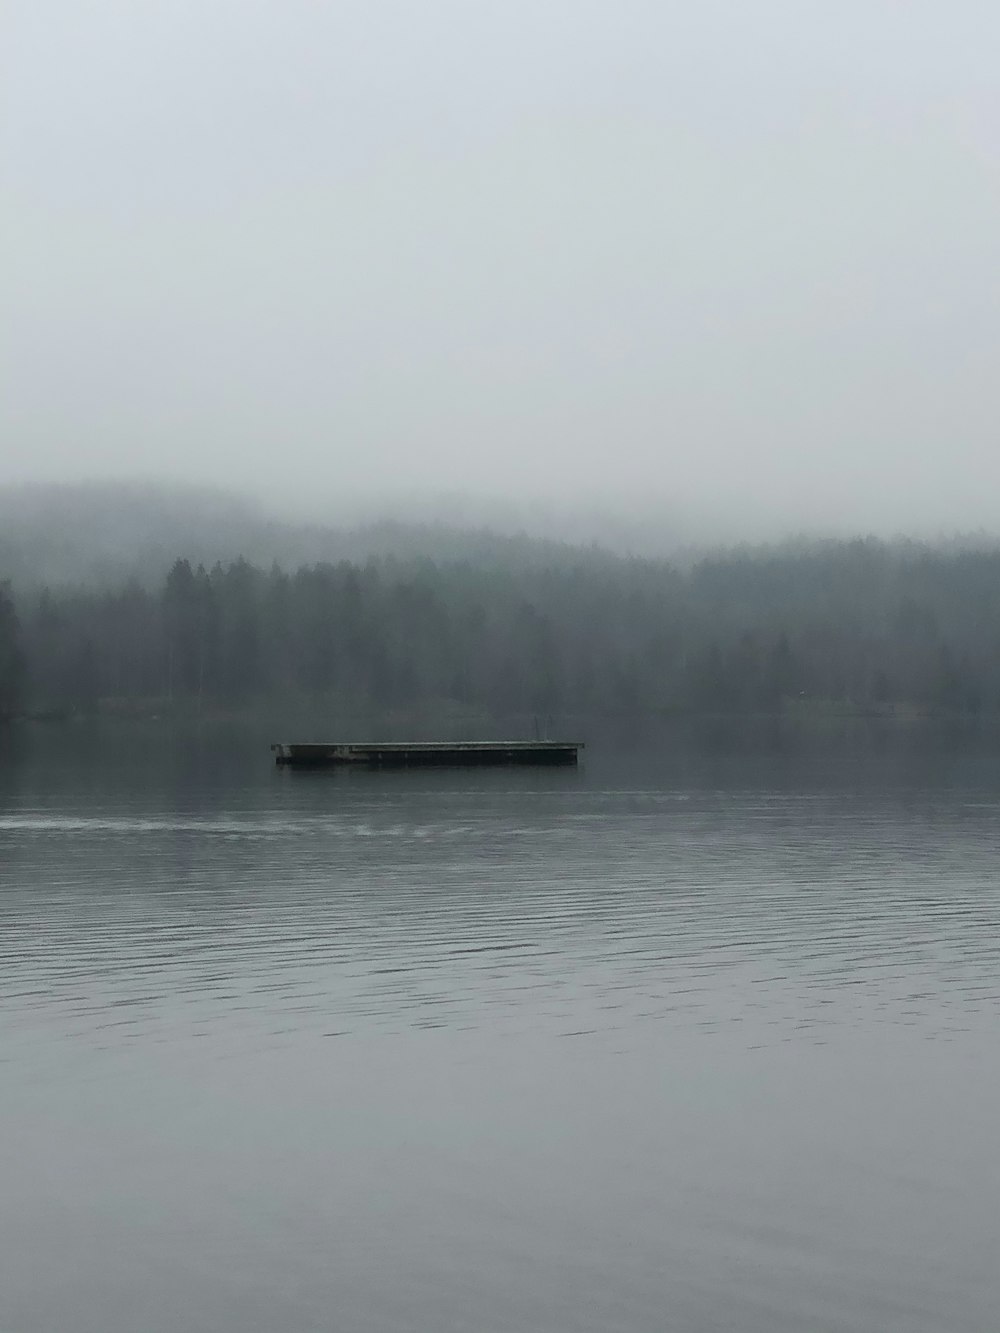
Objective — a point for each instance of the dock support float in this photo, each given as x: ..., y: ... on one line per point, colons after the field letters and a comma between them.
x: 424, y: 754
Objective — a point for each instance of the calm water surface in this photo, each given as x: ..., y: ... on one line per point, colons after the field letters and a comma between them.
x: 699, y: 1037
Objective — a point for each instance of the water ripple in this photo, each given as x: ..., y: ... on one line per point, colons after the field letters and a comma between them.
x: 623, y: 908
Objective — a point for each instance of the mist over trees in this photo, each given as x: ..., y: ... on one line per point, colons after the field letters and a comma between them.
x: 103, y: 535
x: 861, y: 625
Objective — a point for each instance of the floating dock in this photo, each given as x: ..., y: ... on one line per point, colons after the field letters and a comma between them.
x: 428, y: 754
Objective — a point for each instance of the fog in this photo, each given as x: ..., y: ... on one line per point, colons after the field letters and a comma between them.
x: 730, y: 261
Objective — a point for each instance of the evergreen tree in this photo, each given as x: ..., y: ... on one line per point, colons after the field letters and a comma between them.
x: 11, y: 658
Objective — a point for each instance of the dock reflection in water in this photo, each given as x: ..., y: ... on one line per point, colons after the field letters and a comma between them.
x: 638, y: 1046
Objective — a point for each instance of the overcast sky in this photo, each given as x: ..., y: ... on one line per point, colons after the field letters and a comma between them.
x: 719, y: 253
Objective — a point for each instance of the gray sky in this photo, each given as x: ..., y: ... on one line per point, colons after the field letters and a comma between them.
x: 730, y: 255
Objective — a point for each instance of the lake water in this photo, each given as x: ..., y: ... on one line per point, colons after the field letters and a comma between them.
x: 702, y: 1036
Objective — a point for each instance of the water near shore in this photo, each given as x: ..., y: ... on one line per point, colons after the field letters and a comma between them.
x: 701, y: 1036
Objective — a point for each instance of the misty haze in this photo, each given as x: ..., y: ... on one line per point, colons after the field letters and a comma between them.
x: 563, y: 438
x: 739, y: 259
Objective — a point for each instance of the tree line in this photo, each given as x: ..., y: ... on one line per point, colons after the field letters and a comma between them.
x: 865, y: 624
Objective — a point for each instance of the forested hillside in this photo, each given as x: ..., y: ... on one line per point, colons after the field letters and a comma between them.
x: 863, y: 625
x: 104, y: 535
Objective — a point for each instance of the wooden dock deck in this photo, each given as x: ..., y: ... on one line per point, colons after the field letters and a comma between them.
x: 424, y: 754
